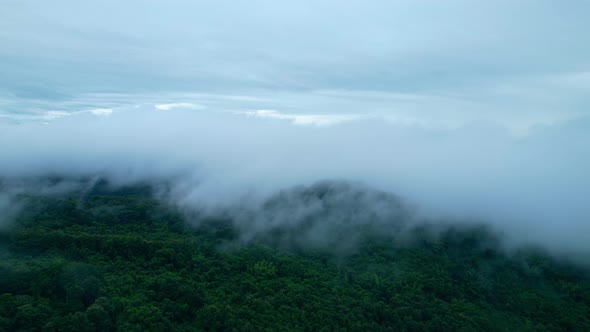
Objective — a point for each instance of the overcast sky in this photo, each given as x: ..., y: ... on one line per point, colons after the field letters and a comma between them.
x: 519, y: 63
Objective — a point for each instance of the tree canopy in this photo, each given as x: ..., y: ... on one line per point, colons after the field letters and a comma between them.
x: 123, y: 261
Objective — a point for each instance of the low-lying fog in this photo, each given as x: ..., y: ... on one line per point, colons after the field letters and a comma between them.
x: 534, y: 187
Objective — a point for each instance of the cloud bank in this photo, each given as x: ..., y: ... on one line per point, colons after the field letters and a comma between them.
x: 533, y: 187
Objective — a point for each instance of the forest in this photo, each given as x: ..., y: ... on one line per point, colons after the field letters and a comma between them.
x: 121, y: 260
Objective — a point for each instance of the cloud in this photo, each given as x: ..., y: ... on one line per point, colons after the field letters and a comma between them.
x: 167, y: 107
x: 50, y: 115
x: 395, y: 46
x: 533, y: 187
x: 101, y: 111
x: 301, y: 119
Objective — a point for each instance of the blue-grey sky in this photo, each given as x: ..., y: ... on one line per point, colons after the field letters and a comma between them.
x: 467, y: 108
x: 526, y: 61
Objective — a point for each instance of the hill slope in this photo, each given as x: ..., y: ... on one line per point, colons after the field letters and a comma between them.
x: 119, y: 260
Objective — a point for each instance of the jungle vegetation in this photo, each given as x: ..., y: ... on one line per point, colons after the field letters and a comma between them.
x: 120, y: 260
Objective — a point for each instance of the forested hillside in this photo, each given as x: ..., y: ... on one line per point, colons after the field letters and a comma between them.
x: 120, y: 260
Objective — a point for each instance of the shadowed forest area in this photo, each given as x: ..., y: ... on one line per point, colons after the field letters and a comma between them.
x: 120, y: 260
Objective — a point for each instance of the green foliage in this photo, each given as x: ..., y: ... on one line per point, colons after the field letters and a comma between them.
x: 124, y: 262
x: 265, y: 269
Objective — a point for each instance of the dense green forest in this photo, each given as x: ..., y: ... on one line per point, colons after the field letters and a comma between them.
x: 121, y: 260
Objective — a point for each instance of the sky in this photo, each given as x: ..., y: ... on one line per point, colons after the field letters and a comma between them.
x: 516, y: 63
x: 475, y: 109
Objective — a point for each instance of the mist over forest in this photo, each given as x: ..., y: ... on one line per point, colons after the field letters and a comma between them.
x: 294, y: 166
x: 208, y: 161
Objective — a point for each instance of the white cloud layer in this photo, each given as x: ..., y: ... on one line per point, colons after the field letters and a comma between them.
x: 302, y: 119
x: 533, y: 187
x: 167, y: 107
